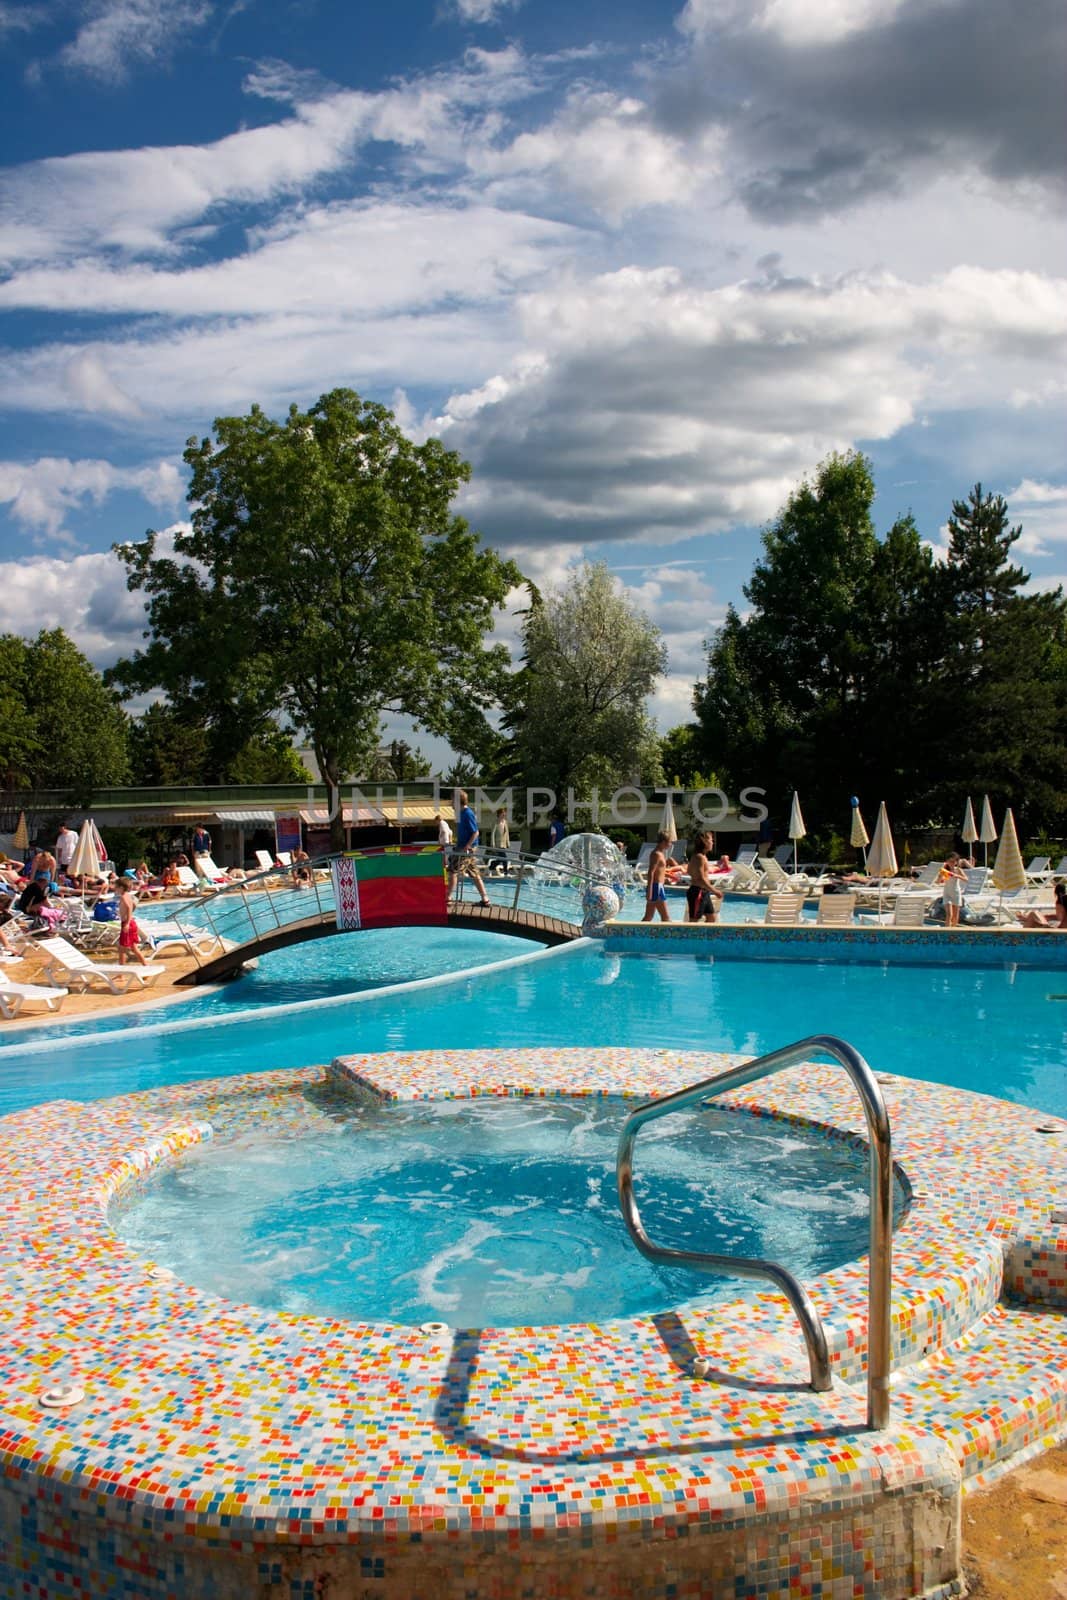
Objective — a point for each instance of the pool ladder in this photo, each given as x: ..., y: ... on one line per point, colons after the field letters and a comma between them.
x: 881, y: 1206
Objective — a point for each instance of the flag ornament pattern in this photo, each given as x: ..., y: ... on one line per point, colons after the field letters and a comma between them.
x: 390, y: 887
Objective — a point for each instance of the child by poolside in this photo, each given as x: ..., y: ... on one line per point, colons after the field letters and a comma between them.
x: 656, y: 893
x: 129, y: 932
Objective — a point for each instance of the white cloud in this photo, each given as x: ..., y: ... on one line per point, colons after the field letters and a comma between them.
x: 483, y: 11
x: 645, y: 408
x: 43, y: 494
x: 119, y: 33
x: 85, y: 595
x: 1041, y: 508
x: 352, y: 259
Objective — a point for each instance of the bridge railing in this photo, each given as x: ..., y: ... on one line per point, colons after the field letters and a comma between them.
x: 240, y: 913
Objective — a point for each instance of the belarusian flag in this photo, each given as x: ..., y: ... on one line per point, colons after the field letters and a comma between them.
x: 386, y: 888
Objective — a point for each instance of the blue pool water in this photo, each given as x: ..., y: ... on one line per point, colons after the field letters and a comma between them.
x: 993, y: 1030
x: 493, y: 1212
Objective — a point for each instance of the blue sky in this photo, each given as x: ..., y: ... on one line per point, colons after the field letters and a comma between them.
x: 644, y: 264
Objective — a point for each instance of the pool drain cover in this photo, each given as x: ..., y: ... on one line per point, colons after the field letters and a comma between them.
x: 61, y: 1396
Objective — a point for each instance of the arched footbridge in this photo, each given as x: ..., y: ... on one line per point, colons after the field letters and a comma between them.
x: 235, y: 923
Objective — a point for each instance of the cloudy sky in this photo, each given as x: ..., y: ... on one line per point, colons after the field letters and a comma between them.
x: 643, y: 263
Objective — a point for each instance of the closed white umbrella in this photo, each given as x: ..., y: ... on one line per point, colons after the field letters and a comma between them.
x: 1008, y: 869
x: 987, y: 833
x: 667, y: 823
x: 797, y: 830
x: 882, y: 857
x: 969, y: 831
x: 86, y: 857
x: 859, y: 838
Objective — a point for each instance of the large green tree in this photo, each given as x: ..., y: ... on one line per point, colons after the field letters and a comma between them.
x: 325, y: 578
x: 590, y: 661
x: 1004, y: 682
x: 864, y: 664
x: 60, y: 726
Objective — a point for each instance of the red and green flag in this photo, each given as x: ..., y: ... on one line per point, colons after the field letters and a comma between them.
x: 387, y: 888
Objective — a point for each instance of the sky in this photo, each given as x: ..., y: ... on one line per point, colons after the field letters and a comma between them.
x: 644, y: 264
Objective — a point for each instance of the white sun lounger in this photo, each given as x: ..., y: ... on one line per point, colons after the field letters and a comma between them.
x: 66, y: 966
x: 835, y: 910
x: 783, y: 910
x: 909, y: 911
x: 13, y: 996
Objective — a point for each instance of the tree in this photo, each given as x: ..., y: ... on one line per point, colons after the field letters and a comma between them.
x: 590, y: 661
x: 60, y: 727
x: 1004, y: 682
x: 171, y: 749
x: 866, y: 666
x: 324, y: 578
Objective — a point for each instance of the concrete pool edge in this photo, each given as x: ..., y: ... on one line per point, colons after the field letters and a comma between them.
x: 632, y: 1492
x: 985, y: 947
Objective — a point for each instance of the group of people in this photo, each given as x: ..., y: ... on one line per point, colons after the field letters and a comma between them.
x: 704, y: 894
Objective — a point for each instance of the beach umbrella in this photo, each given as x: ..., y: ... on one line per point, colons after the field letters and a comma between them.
x: 881, y: 857
x: 858, y: 838
x: 667, y: 823
x: 21, y: 837
x: 797, y: 830
x: 86, y: 858
x: 1008, y: 869
x: 969, y: 832
x: 987, y: 833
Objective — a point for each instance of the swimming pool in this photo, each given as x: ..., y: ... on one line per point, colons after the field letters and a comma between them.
x: 1001, y: 1032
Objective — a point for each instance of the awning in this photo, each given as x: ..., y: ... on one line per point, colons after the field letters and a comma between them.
x: 413, y: 811
x: 246, y: 818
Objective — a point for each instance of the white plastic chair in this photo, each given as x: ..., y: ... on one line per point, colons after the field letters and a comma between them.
x: 783, y: 910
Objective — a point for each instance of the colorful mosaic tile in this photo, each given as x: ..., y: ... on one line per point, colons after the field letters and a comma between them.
x: 217, y: 1450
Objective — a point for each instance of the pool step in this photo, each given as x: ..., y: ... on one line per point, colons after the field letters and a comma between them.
x: 996, y: 1394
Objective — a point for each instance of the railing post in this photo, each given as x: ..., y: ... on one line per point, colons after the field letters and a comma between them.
x: 880, y: 1265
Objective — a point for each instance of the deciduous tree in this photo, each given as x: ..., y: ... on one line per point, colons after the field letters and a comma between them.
x: 325, y: 578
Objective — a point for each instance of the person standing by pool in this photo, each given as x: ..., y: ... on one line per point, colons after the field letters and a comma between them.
x: 201, y: 841
x: 444, y: 833
x: 952, y: 879
x: 557, y: 831
x: 501, y: 837
x: 129, y: 932
x: 462, y: 861
x: 703, y: 892
x: 655, y: 893
x: 66, y: 844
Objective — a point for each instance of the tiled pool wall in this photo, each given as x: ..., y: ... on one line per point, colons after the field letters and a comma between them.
x: 221, y: 1451
x: 972, y: 947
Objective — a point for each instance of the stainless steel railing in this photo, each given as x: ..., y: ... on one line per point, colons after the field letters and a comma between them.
x: 881, y: 1198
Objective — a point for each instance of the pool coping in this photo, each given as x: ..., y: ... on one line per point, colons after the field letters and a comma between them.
x: 446, y: 1433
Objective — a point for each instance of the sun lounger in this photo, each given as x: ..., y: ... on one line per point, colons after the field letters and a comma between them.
x: 783, y: 909
x: 1039, y: 870
x: 909, y: 911
x: 775, y: 879
x: 206, y: 868
x: 746, y: 856
x: 13, y: 996
x: 930, y: 873
x: 743, y: 879
x: 835, y: 910
x: 977, y: 880
x: 69, y: 967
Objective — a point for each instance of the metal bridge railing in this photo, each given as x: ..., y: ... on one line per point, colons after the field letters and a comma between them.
x: 239, y: 913
x: 881, y: 1198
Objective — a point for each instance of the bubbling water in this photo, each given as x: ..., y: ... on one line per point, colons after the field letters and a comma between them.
x: 494, y: 1212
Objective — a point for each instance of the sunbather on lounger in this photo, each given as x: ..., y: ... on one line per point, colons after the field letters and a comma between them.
x: 1056, y: 918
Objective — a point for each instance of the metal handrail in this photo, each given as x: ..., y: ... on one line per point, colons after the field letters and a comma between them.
x: 881, y: 1202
